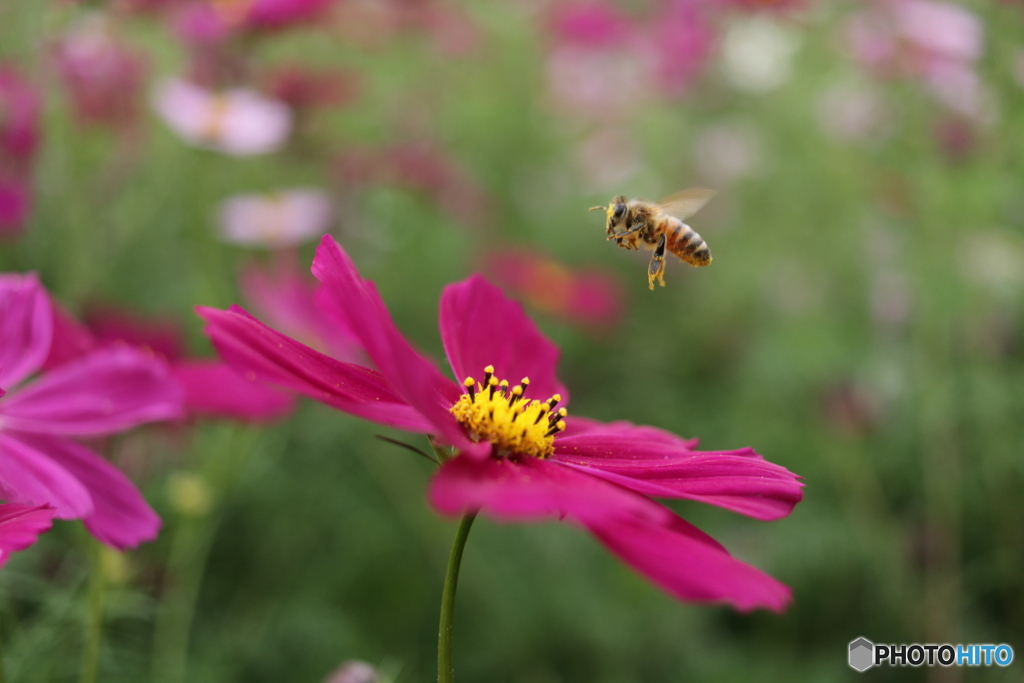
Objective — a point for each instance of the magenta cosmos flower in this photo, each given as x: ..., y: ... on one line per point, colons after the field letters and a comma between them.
x: 20, y: 525
x: 520, y: 458
x: 103, y: 392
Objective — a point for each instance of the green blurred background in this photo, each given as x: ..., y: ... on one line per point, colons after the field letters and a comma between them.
x: 861, y: 325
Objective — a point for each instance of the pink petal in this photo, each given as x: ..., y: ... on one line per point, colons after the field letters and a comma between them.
x: 106, y: 391
x: 624, y: 431
x: 164, y: 336
x: 355, y: 302
x: 29, y: 476
x: 26, y: 327
x: 250, y: 346
x: 282, y: 296
x: 672, y: 553
x: 480, y: 326
x: 20, y: 525
x: 71, y: 339
x: 659, y: 464
x: 532, y: 489
x: 121, y: 518
x: 214, y: 389
x: 679, y: 559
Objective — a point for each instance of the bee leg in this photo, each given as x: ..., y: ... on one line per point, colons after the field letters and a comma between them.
x: 656, y: 269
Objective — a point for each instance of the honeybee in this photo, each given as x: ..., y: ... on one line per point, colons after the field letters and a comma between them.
x: 659, y: 227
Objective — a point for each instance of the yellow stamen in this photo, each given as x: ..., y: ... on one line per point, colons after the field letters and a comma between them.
x: 513, y: 424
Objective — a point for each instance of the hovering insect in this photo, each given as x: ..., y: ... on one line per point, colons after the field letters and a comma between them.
x: 659, y: 226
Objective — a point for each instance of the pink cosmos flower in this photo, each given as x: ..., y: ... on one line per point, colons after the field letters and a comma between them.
x: 237, y: 121
x: 103, y: 392
x: 20, y: 525
x: 519, y: 458
x: 103, y: 77
x: 210, y: 388
x: 590, y: 298
x: 276, y: 219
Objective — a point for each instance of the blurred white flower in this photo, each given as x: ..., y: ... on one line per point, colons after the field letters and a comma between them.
x: 238, y: 121
x: 353, y: 671
x: 851, y: 110
x: 726, y: 152
x: 757, y: 54
x: 995, y: 260
x: 276, y: 219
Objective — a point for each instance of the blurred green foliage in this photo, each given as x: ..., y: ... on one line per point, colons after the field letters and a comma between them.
x: 320, y: 546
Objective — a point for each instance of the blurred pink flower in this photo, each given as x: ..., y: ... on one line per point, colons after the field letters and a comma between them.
x: 422, y: 167
x: 285, y: 296
x: 303, y: 88
x: 20, y: 525
x: 592, y: 23
x: 936, y: 42
x: 520, y: 459
x: 590, y: 298
x: 19, y: 139
x: 19, y: 120
x: 210, y: 388
x: 274, y: 14
x: 15, y: 205
x: 103, y: 392
x: 103, y: 77
x: 603, y: 61
x: 204, y: 22
x: 679, y: 43
x: 236, y: 121
x: 276, y: 219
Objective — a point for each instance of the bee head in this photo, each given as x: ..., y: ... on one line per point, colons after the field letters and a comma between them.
x: 616, y: 213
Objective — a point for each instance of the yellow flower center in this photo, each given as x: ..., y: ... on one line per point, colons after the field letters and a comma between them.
x: 491, y: 411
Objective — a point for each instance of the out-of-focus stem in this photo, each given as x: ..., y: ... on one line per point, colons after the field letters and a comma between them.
x: 94, y: 618
x: 221, y: 453
x: 445, y: 666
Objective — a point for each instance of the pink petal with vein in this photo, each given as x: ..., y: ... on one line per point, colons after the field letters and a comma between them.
x: 741, y: 481
x: 663, y: 466
x: 480, y: 326
x: 120, y: 517
x: 214, y: 389
x: 250, y: 346
x: 679, y: 559
x: 355, y: 301
x: 26, y: 327
x: 533, y: 490
x: 30, y: 476
x: 106, y: 391
x: 20, y: 525
x: 623, y: 432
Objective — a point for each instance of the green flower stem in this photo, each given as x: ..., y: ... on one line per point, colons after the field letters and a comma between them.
x: 94, y: 617
x: 3, y: 677
x: 445, y: 666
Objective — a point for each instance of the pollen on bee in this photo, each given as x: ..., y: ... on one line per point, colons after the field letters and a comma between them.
x: 514, y: 425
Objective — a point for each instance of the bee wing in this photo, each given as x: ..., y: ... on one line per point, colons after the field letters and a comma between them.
x: 685, y: 203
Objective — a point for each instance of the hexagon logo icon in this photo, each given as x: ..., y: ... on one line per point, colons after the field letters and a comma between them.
x: 862, y: 654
